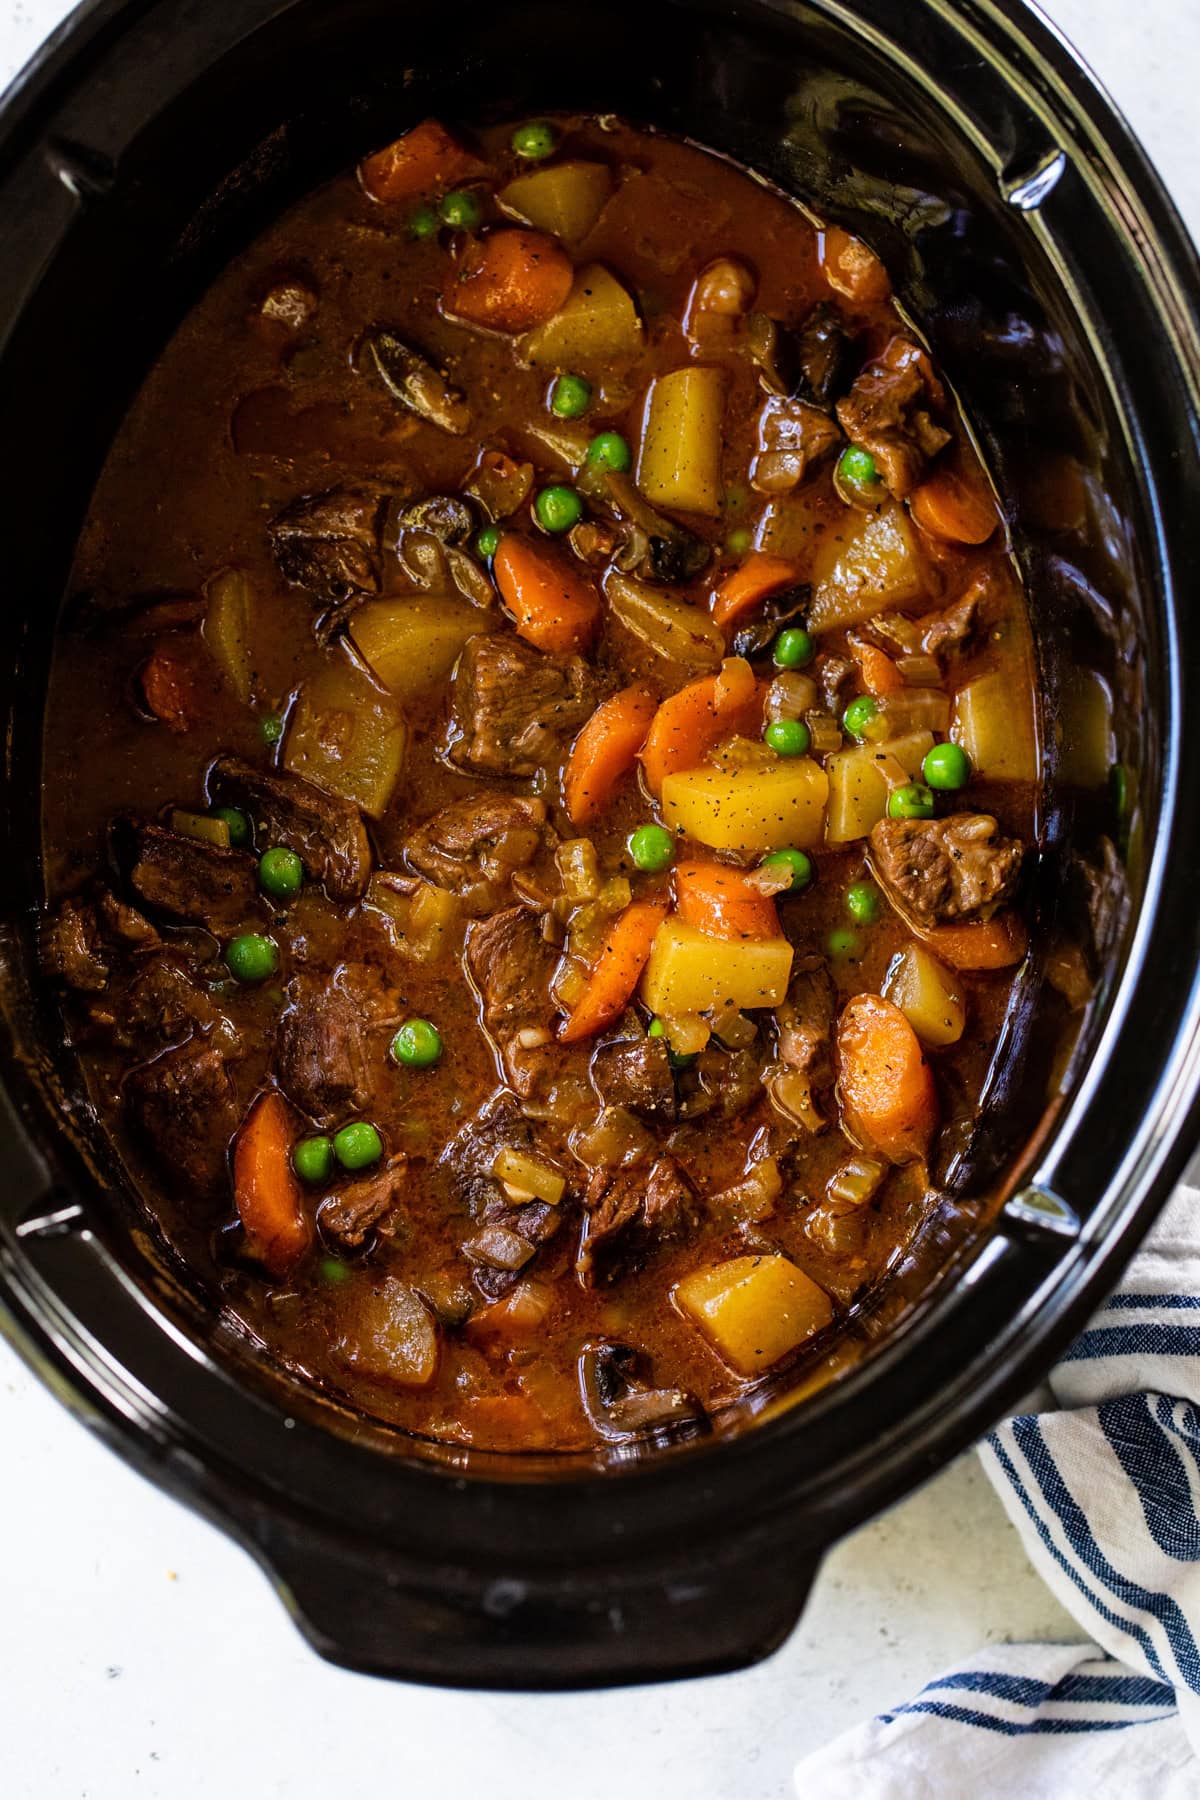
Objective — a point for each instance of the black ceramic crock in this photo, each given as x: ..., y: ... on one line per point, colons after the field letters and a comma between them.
x: 1032, y: 243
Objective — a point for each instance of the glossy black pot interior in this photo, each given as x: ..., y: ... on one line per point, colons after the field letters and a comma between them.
x: 1030, y: 241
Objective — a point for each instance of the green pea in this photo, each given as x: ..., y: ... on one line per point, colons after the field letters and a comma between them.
x: 657, y: 1029
x: 787, y: 737
x: 357, y: 1146
x: 858, y: 716
x: 570, y: 397
x: 280, y: 873
x: 608, y: 450
x: 1118, y: 788
x: 461, y: 210
x: 857, y: 466
x: 251, y: 957
x: 417, y: 1044
x: 862, y: 902
x: 558, y: 508
x: 739, y: 540
x: 334, y: 1271
x: 793, y: 648
x: 946, y: 767
x: 912, y: 801
x: 422, y: 222
x: 236, y: 823
x: 652, y: 848
x: 842, y: 942
x: 271, y: 728
x: 795, y: 860
x: 487, y: 542
x: 312, y: 1158
x: 535, y: 141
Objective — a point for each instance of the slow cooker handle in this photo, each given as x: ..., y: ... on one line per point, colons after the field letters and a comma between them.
x: 590, y: 1627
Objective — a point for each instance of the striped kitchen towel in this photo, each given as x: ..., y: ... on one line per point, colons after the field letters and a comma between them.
x: 1104, y: 1487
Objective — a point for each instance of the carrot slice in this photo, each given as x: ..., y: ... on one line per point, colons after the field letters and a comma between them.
x: 616, y: 972
x: 983, y: 944
x: 426, y: 160
x: 723, y: 902
x: 605, y: 752
x: 947, y: 507
x: 551, y: 600
x: 757, y: 578
x: 880, y: 674
x: 692, y: 722
x: 885, y: 1085
x: 268, y: 1193
x: 850, y: 268
x: 508, y: 280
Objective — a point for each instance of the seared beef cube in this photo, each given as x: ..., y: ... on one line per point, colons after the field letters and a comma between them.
x: 630, y: 1213
x: 513, y: 706
x: 474, y: 846
x: 792, y: 438
x: 184, y: 1107
x: 71, y: 949
x: 326, y: 833
x: 164, y: 1003
x: 726, y: 1083
x: 800, y: 1080
x: 887, y: 412
x: 188, y: 879
x: 954, y: 626
x: 635, y: 1073
x: 471, y: 1153
x: 350, y: 1212
x: 323, y: 1045
x: 511, y: 964
x: 941, y: 871
x: 329, y: 544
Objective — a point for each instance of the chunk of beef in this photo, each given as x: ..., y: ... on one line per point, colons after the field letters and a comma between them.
x: 630, y: 1213
x: 511, y: 964
x: 327, y: 833
x: 725, y: 1083
x: 792, y: 438
x: 79, y: 942
x: 164, y: 1004
x: 940, y: 871
x: 184, y: 1108
x: 474, y: 847
x: 187, y: 879
x: 888, y: 412
x: 328, y: 544
x: 954, y: 626
x: 347, y: 1214
x: 508, y: 1235
x: 324, y: 1040
x: 513, y: 706
x: 635, y: 1073
x: 122, y: 924
x: 801, y: 1078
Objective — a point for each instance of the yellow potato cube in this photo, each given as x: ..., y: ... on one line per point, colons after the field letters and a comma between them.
x: 749, y: 811
x: 993, y: 721
x: 413, y: 644
x: 347, y: 736
x: 858, y: 790
x: 690, y: 972
x: 680, y: 461
x: 596, y: 323
x: 753, y: 1309
x: 564, y: 199
x: 928, y: 995
x: 865, y: 564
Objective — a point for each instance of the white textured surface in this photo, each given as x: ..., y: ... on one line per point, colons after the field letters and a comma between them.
x: 143, y: 1654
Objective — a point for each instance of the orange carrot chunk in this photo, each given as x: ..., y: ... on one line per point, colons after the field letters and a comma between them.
x: 757, y: 579
x: 424, y: 162
x: 723, y: 902
x: 616, y: 972
x: 170, y: 684
x: 996, y: 943
x: 508, y: 280
x: 605, y: 752
x: 695, y: 720
x: 850, y: 268
x: 266, y: 1189
x: 949, y: 508
x: 552, y: 602
x: 888, y: 1099
x: 880, y: 674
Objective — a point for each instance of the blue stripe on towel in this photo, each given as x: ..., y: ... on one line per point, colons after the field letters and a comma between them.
x: 1144, y: 1448
x: 1025, y: 1690
x: 1145, y: 1339
x: 1027, y: 1432
x: 1149, y: 1303
x: 1131, y: 1627
x: 1037, y: 1726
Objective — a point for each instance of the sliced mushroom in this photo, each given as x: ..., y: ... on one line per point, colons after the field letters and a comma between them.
x: 412, y: 380
x: 621, y: 1406
x: 328, y: 544
x: 446, y: 517
x: 811, y: 364
x: 788, y: 607
x: 664, y: 551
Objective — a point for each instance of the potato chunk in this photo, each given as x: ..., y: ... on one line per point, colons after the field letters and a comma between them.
x: 749, y: 811
x: 596, y: 323
x: 680, y: 461
x: 858, y: 789
x: 928, y: 995
x: 411, y: 645
x: 347, y: 736
x: 754, y: 1309
x: 993, y: 721
x: 691, y: 972
x: 564, y: 199
x: 391, y: 1337
x: 865, y: 564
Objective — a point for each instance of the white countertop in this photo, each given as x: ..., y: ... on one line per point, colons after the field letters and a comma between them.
x: 141, y: 1653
